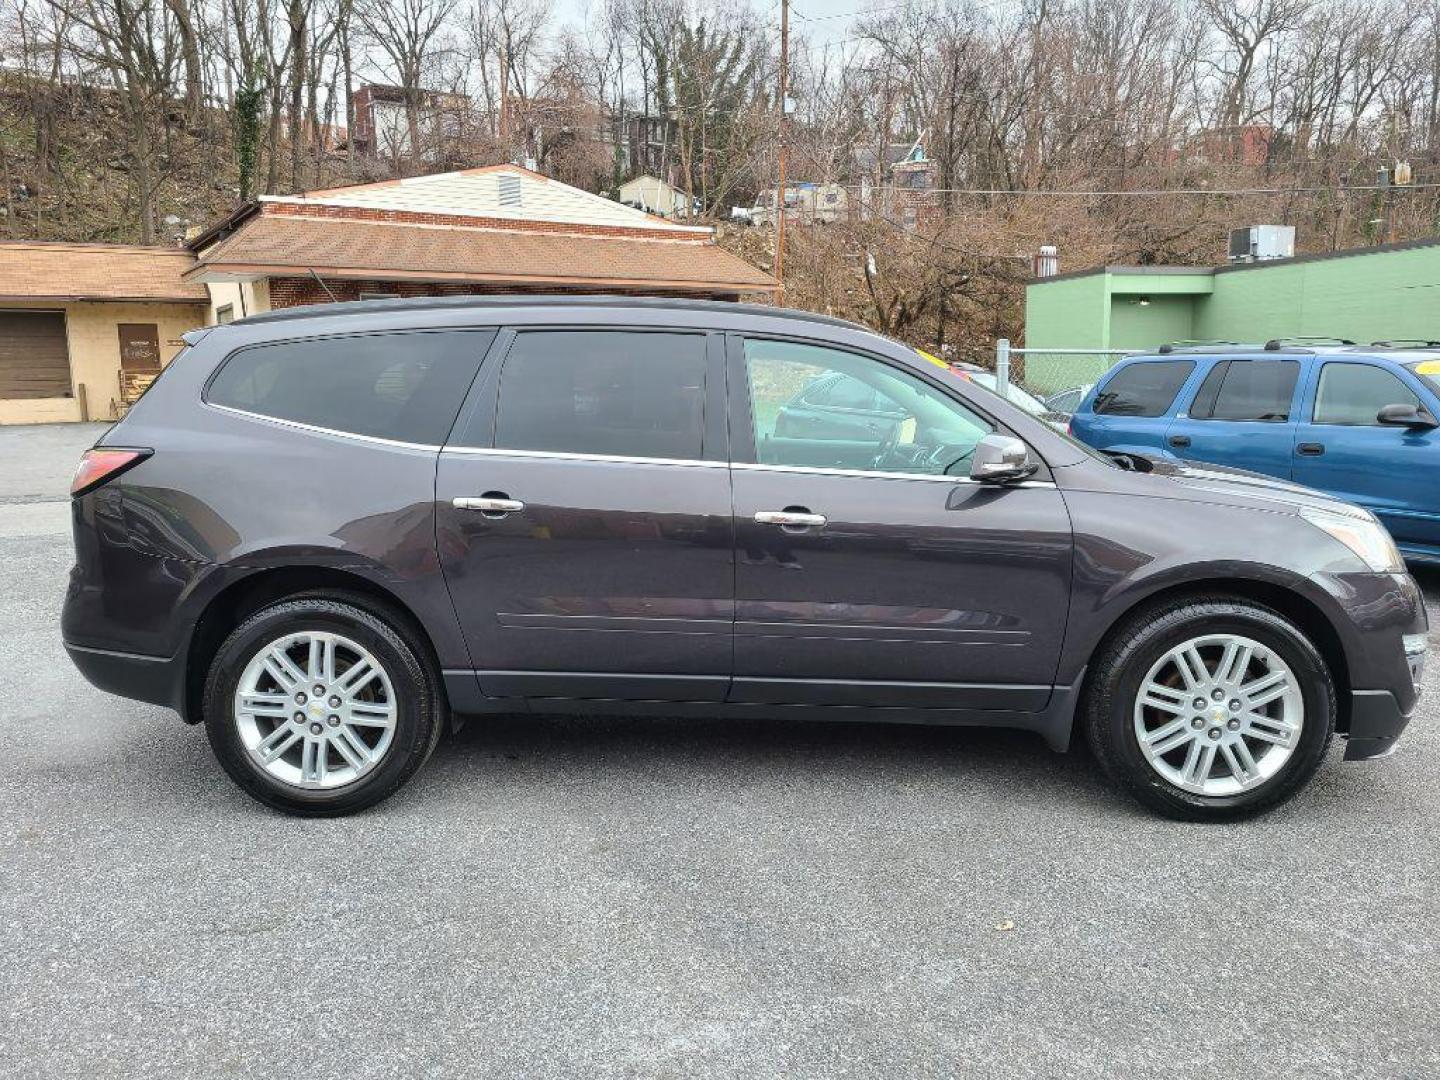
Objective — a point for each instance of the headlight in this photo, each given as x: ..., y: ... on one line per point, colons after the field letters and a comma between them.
x: 1363, y: 535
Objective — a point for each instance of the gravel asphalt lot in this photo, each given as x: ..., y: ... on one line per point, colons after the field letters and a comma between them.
x: 658, y: 898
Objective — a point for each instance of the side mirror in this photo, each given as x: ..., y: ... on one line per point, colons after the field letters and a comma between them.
x: 1406, y: 416
x: 1001, y: 459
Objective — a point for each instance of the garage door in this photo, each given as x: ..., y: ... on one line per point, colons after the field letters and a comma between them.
x: 34, y: 358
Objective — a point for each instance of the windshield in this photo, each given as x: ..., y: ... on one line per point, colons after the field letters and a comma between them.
x: 1429, y: 372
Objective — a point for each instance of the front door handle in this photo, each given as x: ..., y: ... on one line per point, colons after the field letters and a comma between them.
x: 493, y: 504
x: 1310, y: 449
x: 794, y: 519
x: 1179, y: 441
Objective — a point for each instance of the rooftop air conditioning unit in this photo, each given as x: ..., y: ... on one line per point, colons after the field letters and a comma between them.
x: 1260, y: 242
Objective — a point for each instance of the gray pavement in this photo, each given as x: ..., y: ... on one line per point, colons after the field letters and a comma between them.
x: 656, y: 898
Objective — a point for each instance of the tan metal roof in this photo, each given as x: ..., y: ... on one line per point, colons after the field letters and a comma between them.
x: 280, y: 244
x: 41, y: 270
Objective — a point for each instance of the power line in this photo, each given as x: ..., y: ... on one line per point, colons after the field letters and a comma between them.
x: 1158, y: 192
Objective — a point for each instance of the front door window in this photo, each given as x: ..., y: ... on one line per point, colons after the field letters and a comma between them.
x: 825, y: 408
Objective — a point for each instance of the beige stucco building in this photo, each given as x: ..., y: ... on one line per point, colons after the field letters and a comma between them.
x: 83, y: 326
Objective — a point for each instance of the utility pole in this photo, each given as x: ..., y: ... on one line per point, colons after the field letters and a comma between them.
x: 780, y: 188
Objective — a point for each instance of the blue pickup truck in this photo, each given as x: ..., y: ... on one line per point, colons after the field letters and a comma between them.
x: 1356, y: 421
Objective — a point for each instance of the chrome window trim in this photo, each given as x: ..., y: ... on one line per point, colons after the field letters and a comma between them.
x: 878, y: 474
x: 804, y: 470
x: 560, y: 455
x: 315, y: 429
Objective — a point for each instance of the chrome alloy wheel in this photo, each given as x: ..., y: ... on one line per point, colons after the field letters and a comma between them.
x: 315, y: 710
x: 1219, y: 714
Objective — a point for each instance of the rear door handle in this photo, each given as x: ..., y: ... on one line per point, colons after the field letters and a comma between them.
x: 1310, y: 449
x: 791, y: 518
x: 1179, y: 441
x: 495, y: 505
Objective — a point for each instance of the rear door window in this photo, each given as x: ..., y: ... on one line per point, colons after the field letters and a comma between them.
x: 1259, y: 390
x: 1354, y: 394
x: 406, y: 387
x: 615, y: 393
x: 1143, y: 389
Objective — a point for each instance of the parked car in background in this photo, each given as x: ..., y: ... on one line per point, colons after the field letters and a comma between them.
x: 1358, y: 422
x: 326, y: 530
x: 1067, y: 401
x: 1014, y: 393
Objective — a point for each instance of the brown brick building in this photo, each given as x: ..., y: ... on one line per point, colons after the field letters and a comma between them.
x: 501, y: 229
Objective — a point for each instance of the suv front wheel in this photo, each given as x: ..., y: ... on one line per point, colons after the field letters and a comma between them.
x: 1210, y: 709
x: 320, y: 706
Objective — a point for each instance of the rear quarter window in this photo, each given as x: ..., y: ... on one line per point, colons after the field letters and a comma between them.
x: 1147, y: 388
x: 405, y: 386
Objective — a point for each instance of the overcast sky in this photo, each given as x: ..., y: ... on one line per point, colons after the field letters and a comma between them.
x: 820, y: 21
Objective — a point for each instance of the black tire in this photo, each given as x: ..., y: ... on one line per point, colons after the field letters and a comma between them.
x: 1126, y: 658
x: 420, y: 700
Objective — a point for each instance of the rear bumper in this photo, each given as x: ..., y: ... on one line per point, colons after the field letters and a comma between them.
x: 1376, y: 722
x: 156, y: 679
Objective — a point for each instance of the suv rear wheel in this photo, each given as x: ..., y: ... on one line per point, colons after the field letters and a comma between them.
x: 1210, y: 709
x: 321, y: 706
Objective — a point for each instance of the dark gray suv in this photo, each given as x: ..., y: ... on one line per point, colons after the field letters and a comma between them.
x: 325, y: 531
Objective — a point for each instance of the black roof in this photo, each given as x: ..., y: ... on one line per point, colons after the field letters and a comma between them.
x: 521, y: 300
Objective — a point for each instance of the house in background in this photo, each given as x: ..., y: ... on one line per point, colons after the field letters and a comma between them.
x: 806, y: 203
x: 655, y: 196
x: 499, y: 229
x: 897, y: 184
x: 84, y: 327
x: 382, y: 121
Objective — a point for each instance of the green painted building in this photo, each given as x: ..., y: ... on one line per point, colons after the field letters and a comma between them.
x: 1364, y: 295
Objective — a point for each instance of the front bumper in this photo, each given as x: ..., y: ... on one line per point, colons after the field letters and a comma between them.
x: 1376, y: 723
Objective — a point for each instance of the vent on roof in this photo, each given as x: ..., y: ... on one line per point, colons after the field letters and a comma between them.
x: 509, y: 189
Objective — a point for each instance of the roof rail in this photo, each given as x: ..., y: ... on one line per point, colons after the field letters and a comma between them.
x: 1214, y: 345
x: 539, y: 300
x: 1405, y: 343
x: 1276, y: 344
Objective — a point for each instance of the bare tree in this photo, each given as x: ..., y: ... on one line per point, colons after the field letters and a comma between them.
x: 406, y: 32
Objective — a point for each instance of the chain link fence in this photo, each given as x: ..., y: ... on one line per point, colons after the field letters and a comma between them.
x: 1046, y: 373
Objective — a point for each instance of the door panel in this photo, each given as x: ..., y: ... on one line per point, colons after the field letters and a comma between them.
x: 1341, y: 450
x: 611, y: 568
x: 920, y: 592
x: 1242, y: 415
x: 907, y: 584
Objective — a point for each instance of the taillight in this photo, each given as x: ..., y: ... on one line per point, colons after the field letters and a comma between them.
x: 102, y: 465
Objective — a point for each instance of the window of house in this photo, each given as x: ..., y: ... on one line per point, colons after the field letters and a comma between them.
x: 1247, y: 390
x: 1354, y: 394
x: 1144, y: 389
x: 618, y: 393
x: 407, y: 387
x: 225, y: 313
